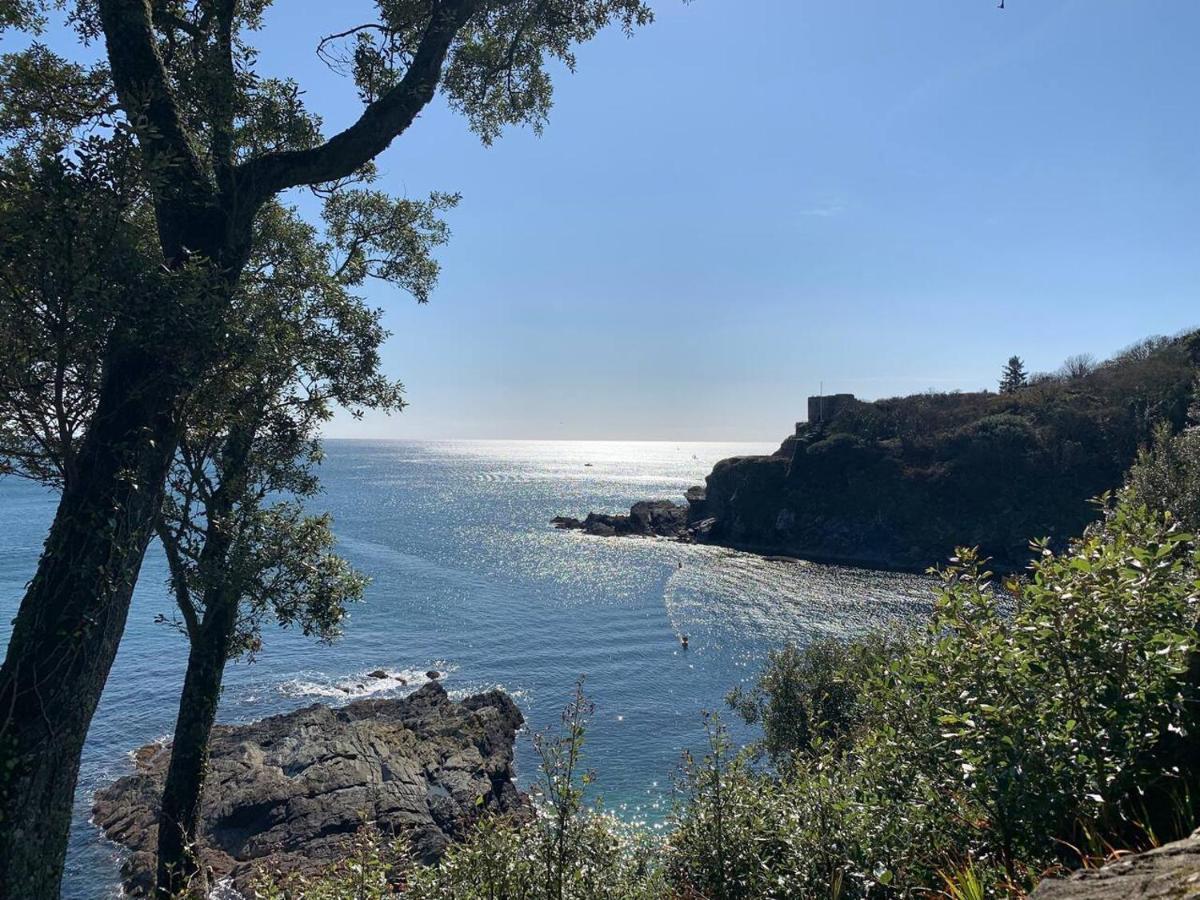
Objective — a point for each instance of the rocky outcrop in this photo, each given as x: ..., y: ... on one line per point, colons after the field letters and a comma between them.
x: 902, y: 483
x: 289, y: 792
x: 1170, y: 871
x: 647, y: 518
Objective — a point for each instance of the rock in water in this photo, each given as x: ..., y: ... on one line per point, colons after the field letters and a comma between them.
x: 289, y: 792
x: 647, y: 518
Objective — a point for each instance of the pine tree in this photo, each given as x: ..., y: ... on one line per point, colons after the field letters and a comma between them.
x: 1014, y: 377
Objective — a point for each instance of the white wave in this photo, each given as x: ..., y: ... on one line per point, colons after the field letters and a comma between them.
x: 357, y: 686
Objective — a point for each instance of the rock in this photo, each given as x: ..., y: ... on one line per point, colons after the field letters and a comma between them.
x: 433, y: 674
x: 289, y: 792
x: 1172, y: 870
x: 600, y: 528
x: 646, y: 518
x: 378, y: 673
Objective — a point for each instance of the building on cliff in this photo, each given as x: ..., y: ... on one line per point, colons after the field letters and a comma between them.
x: 823, y: 408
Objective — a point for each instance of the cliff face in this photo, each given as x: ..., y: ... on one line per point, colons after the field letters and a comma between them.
x: 900, y: 483
x: 842, y: 501
x: 290, y: 792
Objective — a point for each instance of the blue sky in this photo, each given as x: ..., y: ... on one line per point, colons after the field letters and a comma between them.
x: 752, y: 197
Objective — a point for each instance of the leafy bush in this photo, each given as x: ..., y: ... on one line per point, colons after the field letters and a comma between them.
x: 1169, y: 476
x: 811, y: 698
x: 1020, y: 732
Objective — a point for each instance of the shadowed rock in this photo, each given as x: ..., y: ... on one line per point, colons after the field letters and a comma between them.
x: 647, y: 518
x: 289, y: 792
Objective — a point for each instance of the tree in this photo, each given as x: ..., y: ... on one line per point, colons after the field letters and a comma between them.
x: 1014, y: 377
x: 239, y: 553
x: 1079, y: 365
x: 184, y: 83
x: 305, y: 342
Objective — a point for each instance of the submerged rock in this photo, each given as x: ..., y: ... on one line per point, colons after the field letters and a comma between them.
x: 289, y: 792
x: 1172, y: 870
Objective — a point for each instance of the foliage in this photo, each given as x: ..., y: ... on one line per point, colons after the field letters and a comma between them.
x: 811, y: 698
x: 372, y: 870
x: 560, y: 850
x: 1022, y: 731
x: 1168, y: 476
x: 67, y: 253
x: 299, y: 345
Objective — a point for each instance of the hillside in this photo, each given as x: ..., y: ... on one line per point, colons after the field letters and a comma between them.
x: 900, y: 483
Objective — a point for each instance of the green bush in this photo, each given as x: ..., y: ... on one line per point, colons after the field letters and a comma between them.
x: 810, y: 699
x: 1021, y: 731
x: 1169, y: 476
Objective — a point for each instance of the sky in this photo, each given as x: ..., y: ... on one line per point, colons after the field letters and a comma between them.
x: 750, y: 201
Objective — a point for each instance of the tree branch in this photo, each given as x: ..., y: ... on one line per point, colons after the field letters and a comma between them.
x: 146, y: 96
x: 381, y: 122
x: 183, y: 596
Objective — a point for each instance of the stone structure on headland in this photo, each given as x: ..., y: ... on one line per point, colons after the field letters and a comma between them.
x: 825, y: 408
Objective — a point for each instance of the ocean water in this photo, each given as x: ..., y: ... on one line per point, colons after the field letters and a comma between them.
x: 469, y: 578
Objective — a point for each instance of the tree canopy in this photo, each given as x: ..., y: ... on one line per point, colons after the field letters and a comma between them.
x: 209, y: 143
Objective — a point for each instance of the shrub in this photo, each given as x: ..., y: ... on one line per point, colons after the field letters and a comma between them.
x: 809, y: 699
x: 1021, y: 731
x: 1168, y: 477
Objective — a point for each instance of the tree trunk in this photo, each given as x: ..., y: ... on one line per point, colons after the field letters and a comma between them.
x: 180, y: 870
x: 71, y: 619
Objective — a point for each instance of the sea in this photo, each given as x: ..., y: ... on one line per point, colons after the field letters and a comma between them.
x: 470, y: 579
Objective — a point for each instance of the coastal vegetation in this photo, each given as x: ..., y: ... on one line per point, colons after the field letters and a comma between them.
x: 1035, y: 725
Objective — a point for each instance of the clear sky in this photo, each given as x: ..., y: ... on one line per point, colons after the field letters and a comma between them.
x: 752, y: 197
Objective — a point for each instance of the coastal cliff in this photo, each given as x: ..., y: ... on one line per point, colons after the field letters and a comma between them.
x: 289, y: 792
x: 900, y: 483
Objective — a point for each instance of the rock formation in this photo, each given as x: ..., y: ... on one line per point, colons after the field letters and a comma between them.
x: 1170, y: 871
x: 646, y: 518
x: 289, y: 792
